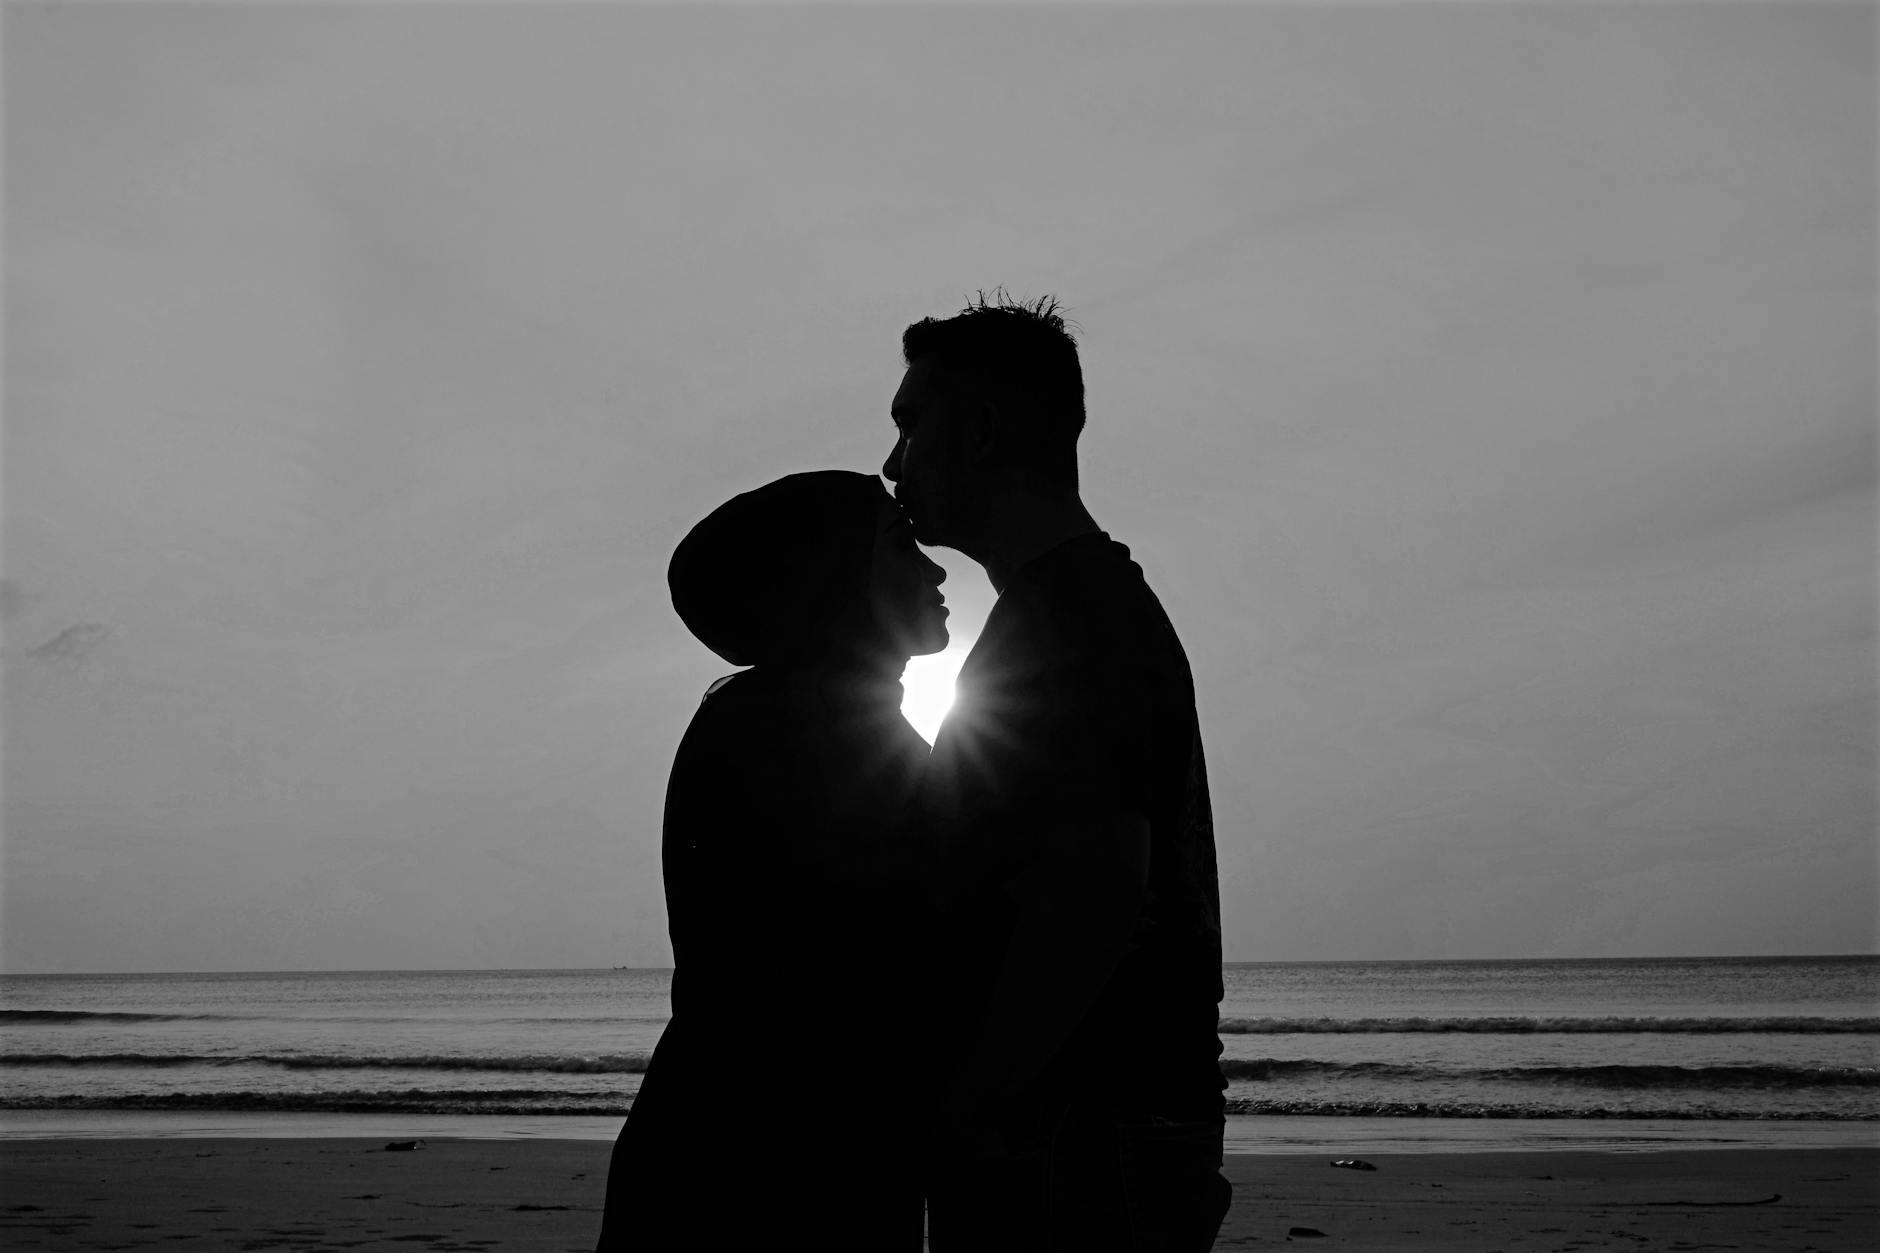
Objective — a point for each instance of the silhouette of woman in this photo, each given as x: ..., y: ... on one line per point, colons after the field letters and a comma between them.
x: 789, y: 888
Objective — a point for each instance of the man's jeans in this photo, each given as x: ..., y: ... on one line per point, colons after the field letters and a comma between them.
x: 1079, y: 1179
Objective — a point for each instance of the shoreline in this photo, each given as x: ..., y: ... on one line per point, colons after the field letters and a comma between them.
x: 1247, y: 1134
x: 317, y: 1193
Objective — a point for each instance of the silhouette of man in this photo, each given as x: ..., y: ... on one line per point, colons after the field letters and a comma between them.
x: 1077, y: 948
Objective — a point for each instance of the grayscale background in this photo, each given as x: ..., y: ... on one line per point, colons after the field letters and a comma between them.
x: 1487, y: 389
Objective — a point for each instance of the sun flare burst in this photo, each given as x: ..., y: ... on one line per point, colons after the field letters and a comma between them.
x: 927, y: 688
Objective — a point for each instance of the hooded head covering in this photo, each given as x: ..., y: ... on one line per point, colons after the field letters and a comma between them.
x: 780, y: 575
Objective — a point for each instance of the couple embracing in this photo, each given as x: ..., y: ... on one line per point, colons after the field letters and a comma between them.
x: 979, y: 983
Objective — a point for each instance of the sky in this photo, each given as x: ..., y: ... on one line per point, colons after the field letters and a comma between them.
x: 1487, y: 390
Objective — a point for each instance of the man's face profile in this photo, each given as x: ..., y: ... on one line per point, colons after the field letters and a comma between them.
x: 925, y: 466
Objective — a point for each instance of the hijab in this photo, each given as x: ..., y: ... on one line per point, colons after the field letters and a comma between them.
x: 780, y: 576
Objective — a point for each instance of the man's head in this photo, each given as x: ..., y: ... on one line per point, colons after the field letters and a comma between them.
x: 993, y: 400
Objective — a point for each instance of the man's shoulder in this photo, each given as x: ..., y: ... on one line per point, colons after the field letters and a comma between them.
x: 1090, y: 593
x: 1089, y: 569
x: 1094, y: 555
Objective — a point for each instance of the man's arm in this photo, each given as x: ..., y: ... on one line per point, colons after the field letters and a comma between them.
x: 1074, y: 927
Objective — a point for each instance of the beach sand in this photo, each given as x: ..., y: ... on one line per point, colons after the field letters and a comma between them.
x: 1682, y: 1200
x: 545, y: 1195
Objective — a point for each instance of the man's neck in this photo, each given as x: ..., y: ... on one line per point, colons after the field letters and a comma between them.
x: 1023, y: 527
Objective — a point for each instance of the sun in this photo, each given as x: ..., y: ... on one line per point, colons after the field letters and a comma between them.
x: 927, y: 688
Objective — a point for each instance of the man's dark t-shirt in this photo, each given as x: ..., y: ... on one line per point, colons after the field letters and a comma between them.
x: 1077, y: 705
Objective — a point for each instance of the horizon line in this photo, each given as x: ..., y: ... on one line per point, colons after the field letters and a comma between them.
x: 1225, y: 965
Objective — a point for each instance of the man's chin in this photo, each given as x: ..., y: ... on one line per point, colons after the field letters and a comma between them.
x: 918, y: 518
x: 923, y: 641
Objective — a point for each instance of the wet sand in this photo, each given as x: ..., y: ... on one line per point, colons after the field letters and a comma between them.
x: 545, y: 1195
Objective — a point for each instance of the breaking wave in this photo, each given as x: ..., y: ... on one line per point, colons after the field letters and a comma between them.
x: 530, y: 1101
x: 1602, y: 1076
x: 1478, y: 1109
x: 512, y: 1101
x: 612, y: 1064
x: 1763, y: 1076
x: 54, y: 1016
x: 1562, y: 1026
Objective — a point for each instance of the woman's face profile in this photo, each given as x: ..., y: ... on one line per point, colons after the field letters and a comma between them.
x: 904, y: 587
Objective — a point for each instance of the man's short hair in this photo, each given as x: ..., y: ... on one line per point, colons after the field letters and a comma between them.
x: 1020, y: 354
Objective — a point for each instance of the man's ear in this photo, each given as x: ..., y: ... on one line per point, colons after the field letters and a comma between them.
x: 982, y: 433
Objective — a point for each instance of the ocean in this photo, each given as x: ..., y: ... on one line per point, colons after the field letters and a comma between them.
x: 1669, y: 1041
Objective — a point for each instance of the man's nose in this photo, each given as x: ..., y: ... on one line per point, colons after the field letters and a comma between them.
x: 891, y: 468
